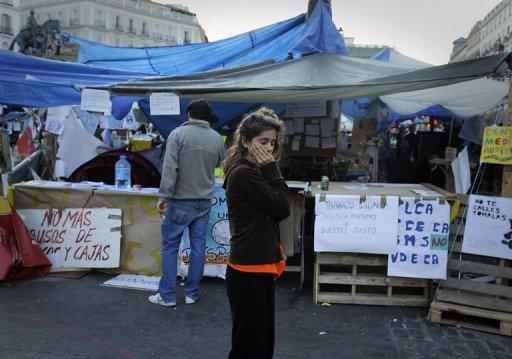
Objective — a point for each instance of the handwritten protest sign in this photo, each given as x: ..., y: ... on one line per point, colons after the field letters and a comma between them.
x: 422, y: 242
x: 355, y: 224
x: 488, y: 229
x: 497, y: 145
x: 82, y: 237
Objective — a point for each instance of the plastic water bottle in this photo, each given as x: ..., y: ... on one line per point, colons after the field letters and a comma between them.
x: 123, y: 173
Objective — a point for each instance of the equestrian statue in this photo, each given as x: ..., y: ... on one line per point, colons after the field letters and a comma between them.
x: 34, y: 38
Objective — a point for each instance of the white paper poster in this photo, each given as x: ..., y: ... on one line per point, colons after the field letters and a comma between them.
x: 288, y: 125
x: 79, y: 237
x: 328, y: 127
x: 312, y: 130
x: 355, y: 224
x: 96, y: 101
x: 461, y: 172
x: 306, y: 109
x: 164, y: 103
x: 328, y: 142
x: 422, y: 243
x: 313, y: 142
x: 56, y: 118
x: 298, y: 125
x: 488, y: 228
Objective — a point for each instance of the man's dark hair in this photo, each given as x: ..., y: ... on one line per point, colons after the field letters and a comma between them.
x: 199, y: 110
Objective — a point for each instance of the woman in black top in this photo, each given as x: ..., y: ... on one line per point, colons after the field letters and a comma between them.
x: 258, y: 199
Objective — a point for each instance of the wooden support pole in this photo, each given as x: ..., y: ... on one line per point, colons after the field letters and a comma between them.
x: 506, y: 183
x: 312, y: 4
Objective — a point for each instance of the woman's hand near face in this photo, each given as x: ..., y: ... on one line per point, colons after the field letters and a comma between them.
x: 260, y: 156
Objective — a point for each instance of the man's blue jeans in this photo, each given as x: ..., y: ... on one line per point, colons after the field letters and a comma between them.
x: 179, y: 215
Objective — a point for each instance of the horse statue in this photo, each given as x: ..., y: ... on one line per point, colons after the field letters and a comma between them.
x: 36, y: 38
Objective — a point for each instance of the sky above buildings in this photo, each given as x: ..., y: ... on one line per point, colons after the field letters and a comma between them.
x: 422, y: 29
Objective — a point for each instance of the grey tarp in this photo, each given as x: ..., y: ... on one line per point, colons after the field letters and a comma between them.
x: 316, y: 77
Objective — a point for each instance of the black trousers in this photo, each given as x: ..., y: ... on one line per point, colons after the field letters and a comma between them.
x: 251, y: 298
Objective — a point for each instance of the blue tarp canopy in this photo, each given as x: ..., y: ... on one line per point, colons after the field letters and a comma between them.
x: 290, y: 38
x: 34, y: 82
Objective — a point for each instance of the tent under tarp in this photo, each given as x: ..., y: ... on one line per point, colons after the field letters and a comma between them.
x: 30, y: 81
x: 277, y: 42
x: 463, y: 100
x: 316, y: 77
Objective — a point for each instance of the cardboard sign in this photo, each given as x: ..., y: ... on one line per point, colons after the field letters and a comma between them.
x: 355, y: 224
x: 488, y: 230
x: 78, y: 237
x: 497, y: 145
x: 422, y: 242
x: 134, y: 281
x: 164, y: 103
x: 96, y: 101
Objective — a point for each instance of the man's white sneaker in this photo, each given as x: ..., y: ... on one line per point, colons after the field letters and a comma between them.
x: 157, y: 299
x: 189, y: 300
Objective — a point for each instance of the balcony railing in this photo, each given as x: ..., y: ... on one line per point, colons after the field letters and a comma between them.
x: 74, y: 21
x: 119, y: 27
x: 6, y: 30
x: 132, y: 30
x: 157, y: 36
x: 144, y: 33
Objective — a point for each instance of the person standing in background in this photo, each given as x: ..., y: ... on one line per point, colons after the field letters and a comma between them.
x: 193, y: 151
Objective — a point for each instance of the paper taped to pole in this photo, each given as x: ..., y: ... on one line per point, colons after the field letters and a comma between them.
x: 355, y: 224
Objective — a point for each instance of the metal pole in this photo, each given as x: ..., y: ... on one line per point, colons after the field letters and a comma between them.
x: 312, y: 4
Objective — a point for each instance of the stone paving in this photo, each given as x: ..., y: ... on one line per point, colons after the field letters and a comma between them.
x: 77, y: 318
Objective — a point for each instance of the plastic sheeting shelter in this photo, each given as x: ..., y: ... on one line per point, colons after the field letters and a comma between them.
x: 469, y: 98
x: 316, y: 77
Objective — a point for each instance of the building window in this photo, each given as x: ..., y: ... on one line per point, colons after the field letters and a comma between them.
x: 130, y: 26
x: 5, y: 23
x: 144, y: 28
x: 118, y: 23
x: 186, y: 37
x: 60, y: 15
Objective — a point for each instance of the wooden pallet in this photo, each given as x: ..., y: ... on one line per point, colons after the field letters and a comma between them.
x: 353, y: 278
x: 470, y: 317
x: 477, y: 292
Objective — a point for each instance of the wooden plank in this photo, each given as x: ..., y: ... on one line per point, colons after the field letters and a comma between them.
x: 316, y: 286
x: 480, y: 268
x: 449, y: 195
x: 471, y: 286
x: 375, y: 299
x: 354, y: 273
x: 476, y: 312
x: 348, y: 279
x: 456, y: 247
x: 351, y: 259
x: 474, y: 300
